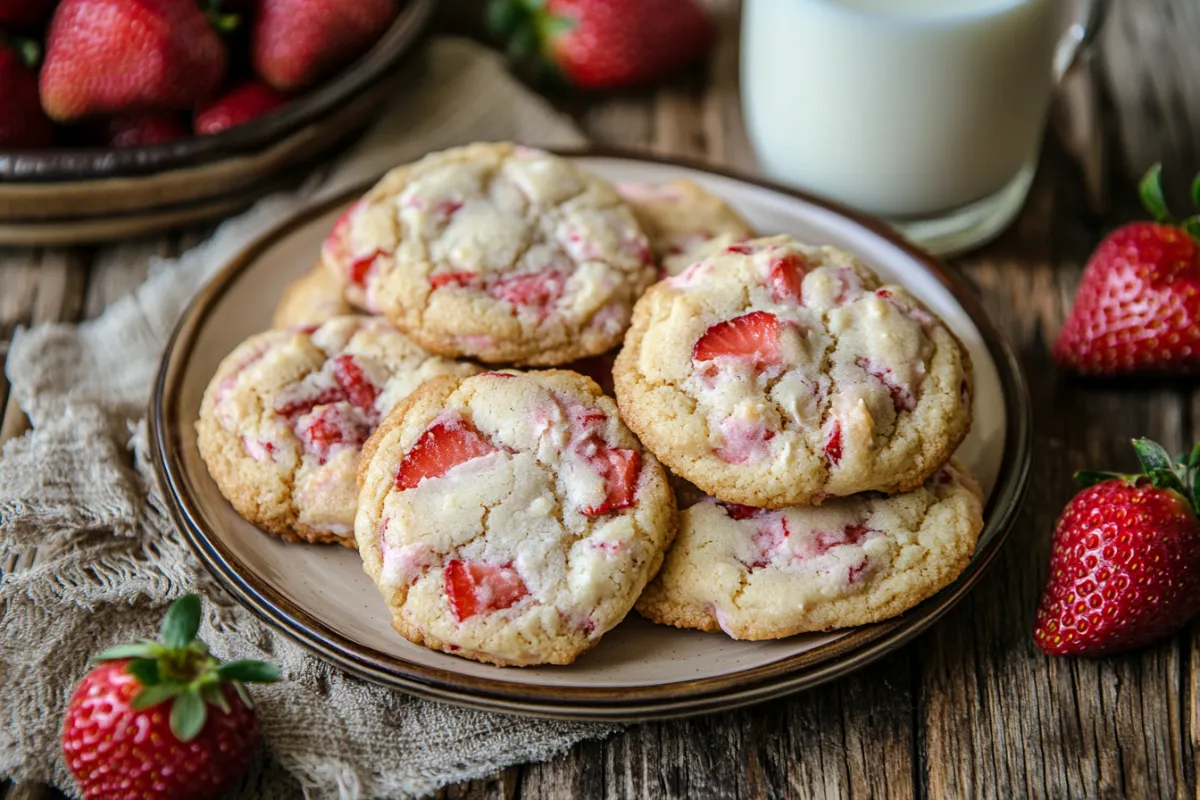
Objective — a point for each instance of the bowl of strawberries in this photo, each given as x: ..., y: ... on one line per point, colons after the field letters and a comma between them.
x: 125, y: 117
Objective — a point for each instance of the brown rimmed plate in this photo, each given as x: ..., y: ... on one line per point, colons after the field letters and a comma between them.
x: 320, y: 597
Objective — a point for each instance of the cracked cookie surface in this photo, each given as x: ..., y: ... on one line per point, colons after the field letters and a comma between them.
x: 497, y: 252
x: 774, y: 374
x: 283, y: 420
x: 312, y: 299
x: 679, y: 217
x: 762, y: 574
x: 509, y: 517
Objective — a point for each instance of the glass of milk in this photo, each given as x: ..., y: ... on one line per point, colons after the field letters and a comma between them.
x: 928, y: 113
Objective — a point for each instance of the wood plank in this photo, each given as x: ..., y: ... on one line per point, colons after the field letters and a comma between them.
x: 852, y: 738
x: 118, y: 269
x: 1000, y: 718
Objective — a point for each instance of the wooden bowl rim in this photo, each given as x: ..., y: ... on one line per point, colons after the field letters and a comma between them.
x: 82, y: 164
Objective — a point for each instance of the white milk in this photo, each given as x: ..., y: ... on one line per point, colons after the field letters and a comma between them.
x: 901, y: 108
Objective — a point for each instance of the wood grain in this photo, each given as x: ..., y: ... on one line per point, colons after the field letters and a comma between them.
x: 971, y: 708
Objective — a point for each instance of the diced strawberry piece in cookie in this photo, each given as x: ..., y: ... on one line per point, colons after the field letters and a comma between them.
x: 620, y: 469
x: 902, y: 396
x: 833, y: 445
x: 304, y: 399
x: 359, y: 389
x: 753, y: 336
x: 328, y: 427
x: 742, y: 249
x: 443, y: 446
x: 744, y: 440
x: 473, y: 587
x: 539, y: 289
x: 361, y: 267
x: 451, y: 279
x: 769, y: 539
x: 739, y: 511
x: 786, y: 277
x: 335, y: 242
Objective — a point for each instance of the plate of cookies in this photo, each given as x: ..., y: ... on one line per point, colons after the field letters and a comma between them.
x: 590, y: 435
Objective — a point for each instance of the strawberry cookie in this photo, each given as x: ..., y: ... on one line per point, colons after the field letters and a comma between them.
x: 312, y: 299
x: 679, y: 217
x: 509, y: 517
x: 284, y: 419
x: 760, y: 574
x: 777, y: 374
x: 495, y: 251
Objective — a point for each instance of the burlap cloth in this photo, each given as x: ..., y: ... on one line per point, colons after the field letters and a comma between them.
x: 79, y: 488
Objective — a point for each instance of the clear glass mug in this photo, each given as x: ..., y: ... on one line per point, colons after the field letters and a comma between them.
x: 927, y: 113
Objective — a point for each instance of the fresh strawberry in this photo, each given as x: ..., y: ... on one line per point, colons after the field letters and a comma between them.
x: 473, y: 587
x: 1125, y: 558
x: 23, y: 125
x: 140, y: 130
x: 620, y: 469
x: 24, y: 13
x: 1138, y: 304
x: 120, y: 56
x: 443, y: 446
x: 160, y: 720
x: 298, y: 42
x: 237, y: 106
x: 604, y: 44
x: 753, y: 336
x: 786, y: 278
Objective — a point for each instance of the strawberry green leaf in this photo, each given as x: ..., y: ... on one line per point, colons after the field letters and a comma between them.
x: 1086, y: 477
x: 242, y: 693
x: 187, y: 716
x: 1167, y: 479
x: 151, y: 696
x: 1191, y: 226
x: 1193, y: 458
x: 141, y: 650
x: 181, y: 623
x: 503, y: 17
x: 1152, y: 456
x: 249, y: 671
x: 1150, y: 190
x: 1196, y: 190
x: 213, y: 695
x: 145, y: 670
x: 522, y: 44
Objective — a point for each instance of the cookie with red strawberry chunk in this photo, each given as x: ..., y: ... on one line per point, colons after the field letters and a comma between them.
x: 23, y: 124
x: 284, y: 419
x: 163, y: 720
x: 755, y: 573
x: 497, y: 252
x: 1138, y: 305
x: 776, y: 374
x: 1125, y: 558
x: 680, y: 217
x: 312, y: 299
x: 239, y: 105
x: 106, y: 57
x: 296, y: 43
x: 603, y: 44
x: 510, y: 517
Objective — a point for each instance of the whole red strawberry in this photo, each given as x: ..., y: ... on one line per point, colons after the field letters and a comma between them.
x: 163, y: 719
x: 118, y: 56
x: 24, y: 13
x: 604, y: 44
x: 1125, y: 559
x: 298, y: 42
x: 23, y: 126
x: 1138, y: 305
x: 237, y: 107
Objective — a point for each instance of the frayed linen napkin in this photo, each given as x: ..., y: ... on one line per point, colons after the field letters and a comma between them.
x: 78, y: 489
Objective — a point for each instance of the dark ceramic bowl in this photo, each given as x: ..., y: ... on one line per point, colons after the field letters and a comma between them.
x: 67, y: 196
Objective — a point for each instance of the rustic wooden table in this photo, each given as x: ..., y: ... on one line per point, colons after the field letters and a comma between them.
x: 972, y: 707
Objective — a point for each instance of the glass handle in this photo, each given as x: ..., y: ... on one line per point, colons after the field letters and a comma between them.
x: 1079, y: 36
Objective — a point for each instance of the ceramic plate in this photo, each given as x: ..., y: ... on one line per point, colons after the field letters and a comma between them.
x: 320, y: 596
